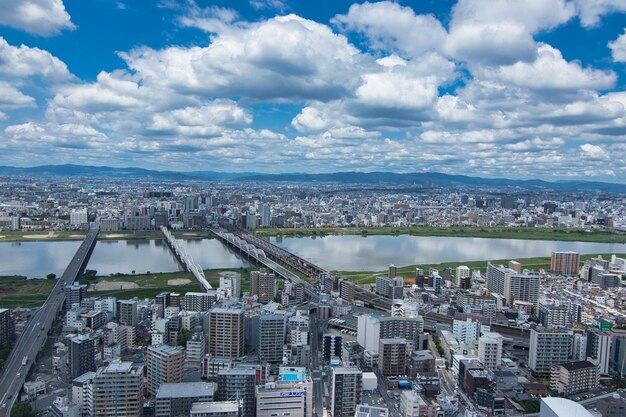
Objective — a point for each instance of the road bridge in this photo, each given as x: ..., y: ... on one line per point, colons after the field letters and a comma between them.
x: 36, y: 331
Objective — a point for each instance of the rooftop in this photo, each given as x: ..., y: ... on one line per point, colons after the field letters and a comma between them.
x: 573, y: 366
x: 186, y: 390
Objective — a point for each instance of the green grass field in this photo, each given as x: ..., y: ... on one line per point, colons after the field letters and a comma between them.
x: 486, y: 232
x: 369, y: 277
x: 16, y: 291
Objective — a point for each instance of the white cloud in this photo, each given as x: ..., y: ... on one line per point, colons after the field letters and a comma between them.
x: 551, y: 72
x: 39, y: 17
x: 23, y: 61
x: 618, y: 48
x: 279, y: 5
x: 484, y: 32
x: 590, y: 11
x: 12, y: 98
x: 391, y: 27
x: 594, y: 151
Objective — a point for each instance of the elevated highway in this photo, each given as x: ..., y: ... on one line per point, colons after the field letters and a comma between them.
x: 36, y: 331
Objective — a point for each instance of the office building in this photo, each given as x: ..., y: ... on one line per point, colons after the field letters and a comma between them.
x: 606, y: 281
x: 127, y: 312
x: 216, y: 409
x: 176, y: 400
x: 74, y: 294
x: 599, y: 349
x: 118, y: 390
x: 368, y: 332
x: 298, y: 326
x: 200, y: 301
x: 7, y: 326
x: 164, y: 366
x: 263, y: 286
x: 392, y: 356
x: 346, y: 390
x: 283, y: 399
x: 332, y: 346
x: 574, y: 377
x: 225, y: 335
x: 490, y: 350
x: 271, y: 338
x: 81, y: 355
x: 238, y: 385
x: 549, y: 347
x: 564, y: 263
x: 560, y: 407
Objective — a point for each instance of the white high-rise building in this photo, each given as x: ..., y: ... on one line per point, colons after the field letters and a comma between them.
x: 79, y: 217
x: 549, y: 347
x: 467, y: 331
x: 231, y: 284
x: 462, y: 271
x: 490, y: 350
x: 368, y: 332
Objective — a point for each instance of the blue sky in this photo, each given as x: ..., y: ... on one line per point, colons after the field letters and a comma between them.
x: 493, y: 88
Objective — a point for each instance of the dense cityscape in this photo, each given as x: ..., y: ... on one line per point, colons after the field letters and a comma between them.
x: 286, y: 334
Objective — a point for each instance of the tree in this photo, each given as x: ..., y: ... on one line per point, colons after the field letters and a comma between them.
x: 90, y: 273
x: 51, y: 276
x: 22, y: 410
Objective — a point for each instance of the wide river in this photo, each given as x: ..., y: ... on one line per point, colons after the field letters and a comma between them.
x: 341, y: 253
x: 37, y: 259
x: 375, y: 253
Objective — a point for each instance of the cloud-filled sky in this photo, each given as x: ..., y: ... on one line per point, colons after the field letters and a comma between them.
x: 492, y: 88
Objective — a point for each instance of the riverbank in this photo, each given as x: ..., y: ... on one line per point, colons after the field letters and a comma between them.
x: 116, y: 235
x: 408, y: 271
x: 526, y: 233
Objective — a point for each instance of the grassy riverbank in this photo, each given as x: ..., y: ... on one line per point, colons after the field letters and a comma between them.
x: 531, y: 233
x: 117, y: 235
x: 369, y: 277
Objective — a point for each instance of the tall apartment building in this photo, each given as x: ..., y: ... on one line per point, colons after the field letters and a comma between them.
x: 574, y: 377
x: 127, y: 312
x: 346, y: 390
x: 467, y: 331
x: 7, y: 326
x: 599, y: 348
x: 490, y: 350
x: 512, y: 285
x: 298, y: 326
x: 238, y: 385
x: 173, y: 400
x: 200, y: 301
x: 332, y: 346
x: 81, y: 355
x: 82, y: 392
x: 225, y: 335
x: 462, y: 272
x: 565, y: 263
x: 74, y: 294
x: 408, y: 328
x: 231, y: 285
x: 164, y: 366
x: 551, y: 315
x: 118, y: 390
x: 263, y: 285
x: 549, y: 347
x: 271, y: 338
x: 392, y: 356
x: 195, y: 350
x: 78, y: 217
x: 390, y: 287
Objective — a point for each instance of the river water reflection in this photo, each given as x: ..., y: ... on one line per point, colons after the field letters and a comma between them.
x: 375, y: 253
x: 37, y: 259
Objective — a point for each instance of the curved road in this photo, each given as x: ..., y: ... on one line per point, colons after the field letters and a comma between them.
x: 35, y: 334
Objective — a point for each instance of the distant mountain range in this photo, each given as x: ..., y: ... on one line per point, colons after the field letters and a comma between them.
x: 419, y: 179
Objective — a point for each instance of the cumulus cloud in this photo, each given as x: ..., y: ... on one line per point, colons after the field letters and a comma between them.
x: 39, y: 17
x: 590, y: 12
x: 618, y: 48
x: 594, y: 151
x: 23, y: 61
x: 394, y: 28
x: 12, y: 98
x: 484, y: 32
